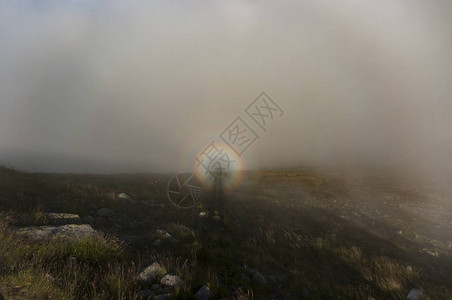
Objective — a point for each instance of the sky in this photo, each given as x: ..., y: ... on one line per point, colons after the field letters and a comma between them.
x: 144, y: 86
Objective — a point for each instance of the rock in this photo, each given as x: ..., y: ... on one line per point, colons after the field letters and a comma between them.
x: 305, y: 292
x: 155, y: 287
x: 414, y: 295
x: 278, y: 277
x: 49, y: 278
x: 432, y: 253
x: 165, y: 236
x: 162, y: 290
x: 68, y: 232
x: 259, y: 279
x: 172, y: 281
x: 290, y: 296
x: 62, y: 219
x: 245, y: 279
x: 409, y: 269
x: 162, y: 297
x: 89, y: 220
x: 100, y: 222
x: 105, y: 212
x: 145, y: 294
x: 125, y: 199
x: 150, y: 274
x: 72, y: 261
x: 123, y: 196
x: 114, y: 229
x: 157, y: 242
x: 203, y: 293
x: 155, y: 203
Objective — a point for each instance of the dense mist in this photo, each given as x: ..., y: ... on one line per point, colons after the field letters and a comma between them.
x: 134, y: 86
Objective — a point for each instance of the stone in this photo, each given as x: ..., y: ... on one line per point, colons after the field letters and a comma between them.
x: 62, y: 219
x: 71, y: 232
x: 203, y: 293
x: 162, y: 290
x: 157, y: 242
x: 114, y: 229
x: 155, y: 287
x: 278, y: 277
x: 123, y: 196
x: 409, y: 269
x: 259, y: 279
x: 245, y: 279
x: 49, y: 278
x: 125, y: 199
x: 165, y: 236
x: 72, y: 261
x: 414, y: 294
x: 290, y: 296
x: 145, y: 294
x: 162, y: 297
x: 100, y: 222
x: 172, y: 281
x: 89, y: 220
x: 150, y: 274
x: 305, y: 292
x: 105, y: 212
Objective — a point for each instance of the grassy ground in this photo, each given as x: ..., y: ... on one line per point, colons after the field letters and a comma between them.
x: 334, y: 235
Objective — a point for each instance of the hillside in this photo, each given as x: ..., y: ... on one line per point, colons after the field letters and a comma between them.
x: 281, y: 234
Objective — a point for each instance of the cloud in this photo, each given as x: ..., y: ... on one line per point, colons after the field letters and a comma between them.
x: 140, y: 86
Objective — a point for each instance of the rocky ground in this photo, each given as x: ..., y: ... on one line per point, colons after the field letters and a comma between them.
x: 281, y: 235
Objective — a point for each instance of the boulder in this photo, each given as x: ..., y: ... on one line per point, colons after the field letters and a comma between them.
x: 165, y: 236
x: 414, y: 295
x: 114, y: 229
x: 100, y: 222
x: 89, y: 220
x: 162, y: 297
x: 157, y: 242
x: 259, y: 279
x: 61, y: 219
x: 162, y: 290
x: 105, y: 212
x: 172, y: 281
x: 123, y: 196
x: 145, y: 294
x: 150, y: 274
x: 125, y: 199
x: 67, y: 232
x: 245, y: 279
x: 203, y: 293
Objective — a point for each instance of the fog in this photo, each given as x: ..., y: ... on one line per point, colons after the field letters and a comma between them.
x: 141, y: 86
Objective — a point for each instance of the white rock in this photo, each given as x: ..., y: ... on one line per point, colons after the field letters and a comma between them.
x: 123, y: 196
x: 150, y: 274
x: 172, y: 281
x: 414, y: 294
